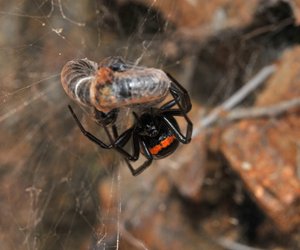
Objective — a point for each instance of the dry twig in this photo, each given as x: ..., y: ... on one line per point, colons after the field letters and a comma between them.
x: 235, y: 99
x: 232, y: 245
x: 256, y: 112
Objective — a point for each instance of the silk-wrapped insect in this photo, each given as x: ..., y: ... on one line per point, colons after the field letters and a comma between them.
x: 113, y: 84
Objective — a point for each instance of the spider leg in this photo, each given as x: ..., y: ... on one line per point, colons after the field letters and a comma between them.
x: 122, y: 140
x: 118, y: 144
x: 177, y: 91
x: 189, y: 130
x: 170, y: 104
x: 115, y: 131
x: 136, y: 152
x: 105, y: 119
x: 87, y: 134
x: 145, y: 165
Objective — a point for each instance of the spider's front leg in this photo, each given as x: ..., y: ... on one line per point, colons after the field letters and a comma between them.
x: 180, y: 95
x: 87, y: 134
x: 117, y: 143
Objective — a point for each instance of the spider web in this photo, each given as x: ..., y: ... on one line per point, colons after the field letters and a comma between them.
x: 51, y: 196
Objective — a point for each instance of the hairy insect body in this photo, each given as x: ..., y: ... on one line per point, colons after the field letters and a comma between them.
x: 143, y: 86
x: 76, y: 78
x: 107, y: 87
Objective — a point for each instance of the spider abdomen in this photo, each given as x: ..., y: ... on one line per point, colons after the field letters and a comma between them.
x: 164, y: 147
x: 164, y: 143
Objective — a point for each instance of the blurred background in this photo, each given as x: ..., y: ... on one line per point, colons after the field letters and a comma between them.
x: 235, y: 186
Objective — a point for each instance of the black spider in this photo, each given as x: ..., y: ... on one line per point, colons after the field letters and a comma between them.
x: 155, y: 132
